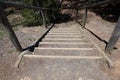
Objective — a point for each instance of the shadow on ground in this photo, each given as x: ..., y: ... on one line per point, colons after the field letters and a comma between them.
x: 102, y: 40
x: 63, y: 18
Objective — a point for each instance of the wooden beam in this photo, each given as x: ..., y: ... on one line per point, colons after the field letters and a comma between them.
x: 54, y: 31
x: 63, y: 43
x: 8, y: 28
x: 62, y: 39
x: 65, y: 33
x: 114, y: 38
x: 64, y: 57
x: 49, y: 48
x: 65, y: 29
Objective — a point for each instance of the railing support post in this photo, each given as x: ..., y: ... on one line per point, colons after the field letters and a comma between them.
x: 44, y: 18
x: 114, y: 38
x: 8, y: 28
x: 85, y: 16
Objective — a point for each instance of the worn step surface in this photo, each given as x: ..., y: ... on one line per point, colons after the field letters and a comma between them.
x: 48, y: 36
x: 91, y: 52
x: 67, y: 45
x: 56, y: 43
x: 64, y: 33
x: 60, y: 31
x: 70, y: 41
x: 64, y: 30
x: 66, y: 37
x: 62, y: 39
x: 63, y: 69
x: 66, y: 42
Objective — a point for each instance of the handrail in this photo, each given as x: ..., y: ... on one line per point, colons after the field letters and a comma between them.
x: 36, y: 43
x: 14, y: 4
x: 89, y: 6
x: 8, y: 26
x: 96, y: 4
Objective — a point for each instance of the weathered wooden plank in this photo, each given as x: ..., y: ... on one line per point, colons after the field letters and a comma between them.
x: 62, y: 39
x: 8, y: 28
x: 48, y: 48
x: 64, y: 29
x: 64, y: 33
x: 63, y: 43
x: 63, y: 57
x: 114, y: 38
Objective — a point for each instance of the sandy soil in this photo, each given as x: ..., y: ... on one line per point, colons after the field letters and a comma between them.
x: 103, y: 29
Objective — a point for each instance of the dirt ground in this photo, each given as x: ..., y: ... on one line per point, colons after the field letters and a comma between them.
x: 96, y: 70
x: 103, y: 29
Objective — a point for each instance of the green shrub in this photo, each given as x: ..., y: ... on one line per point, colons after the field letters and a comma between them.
x: 33, y: 18
x: 1, y: 33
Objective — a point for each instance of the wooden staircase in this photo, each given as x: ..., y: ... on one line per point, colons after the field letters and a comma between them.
x: 66, y: 43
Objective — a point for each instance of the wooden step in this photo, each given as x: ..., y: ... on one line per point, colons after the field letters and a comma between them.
x: 63, y: 43
x: 64, y: 33
x: 60, y: 36
x: 65, y: 30
x: 64, y: 36
x: 48, y: 48
x: 67, y: 52
x: 70, y: 41
x: 62, y: 39
x: 66, y: 45
x: 62, y: 69
x: 64, y: 57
